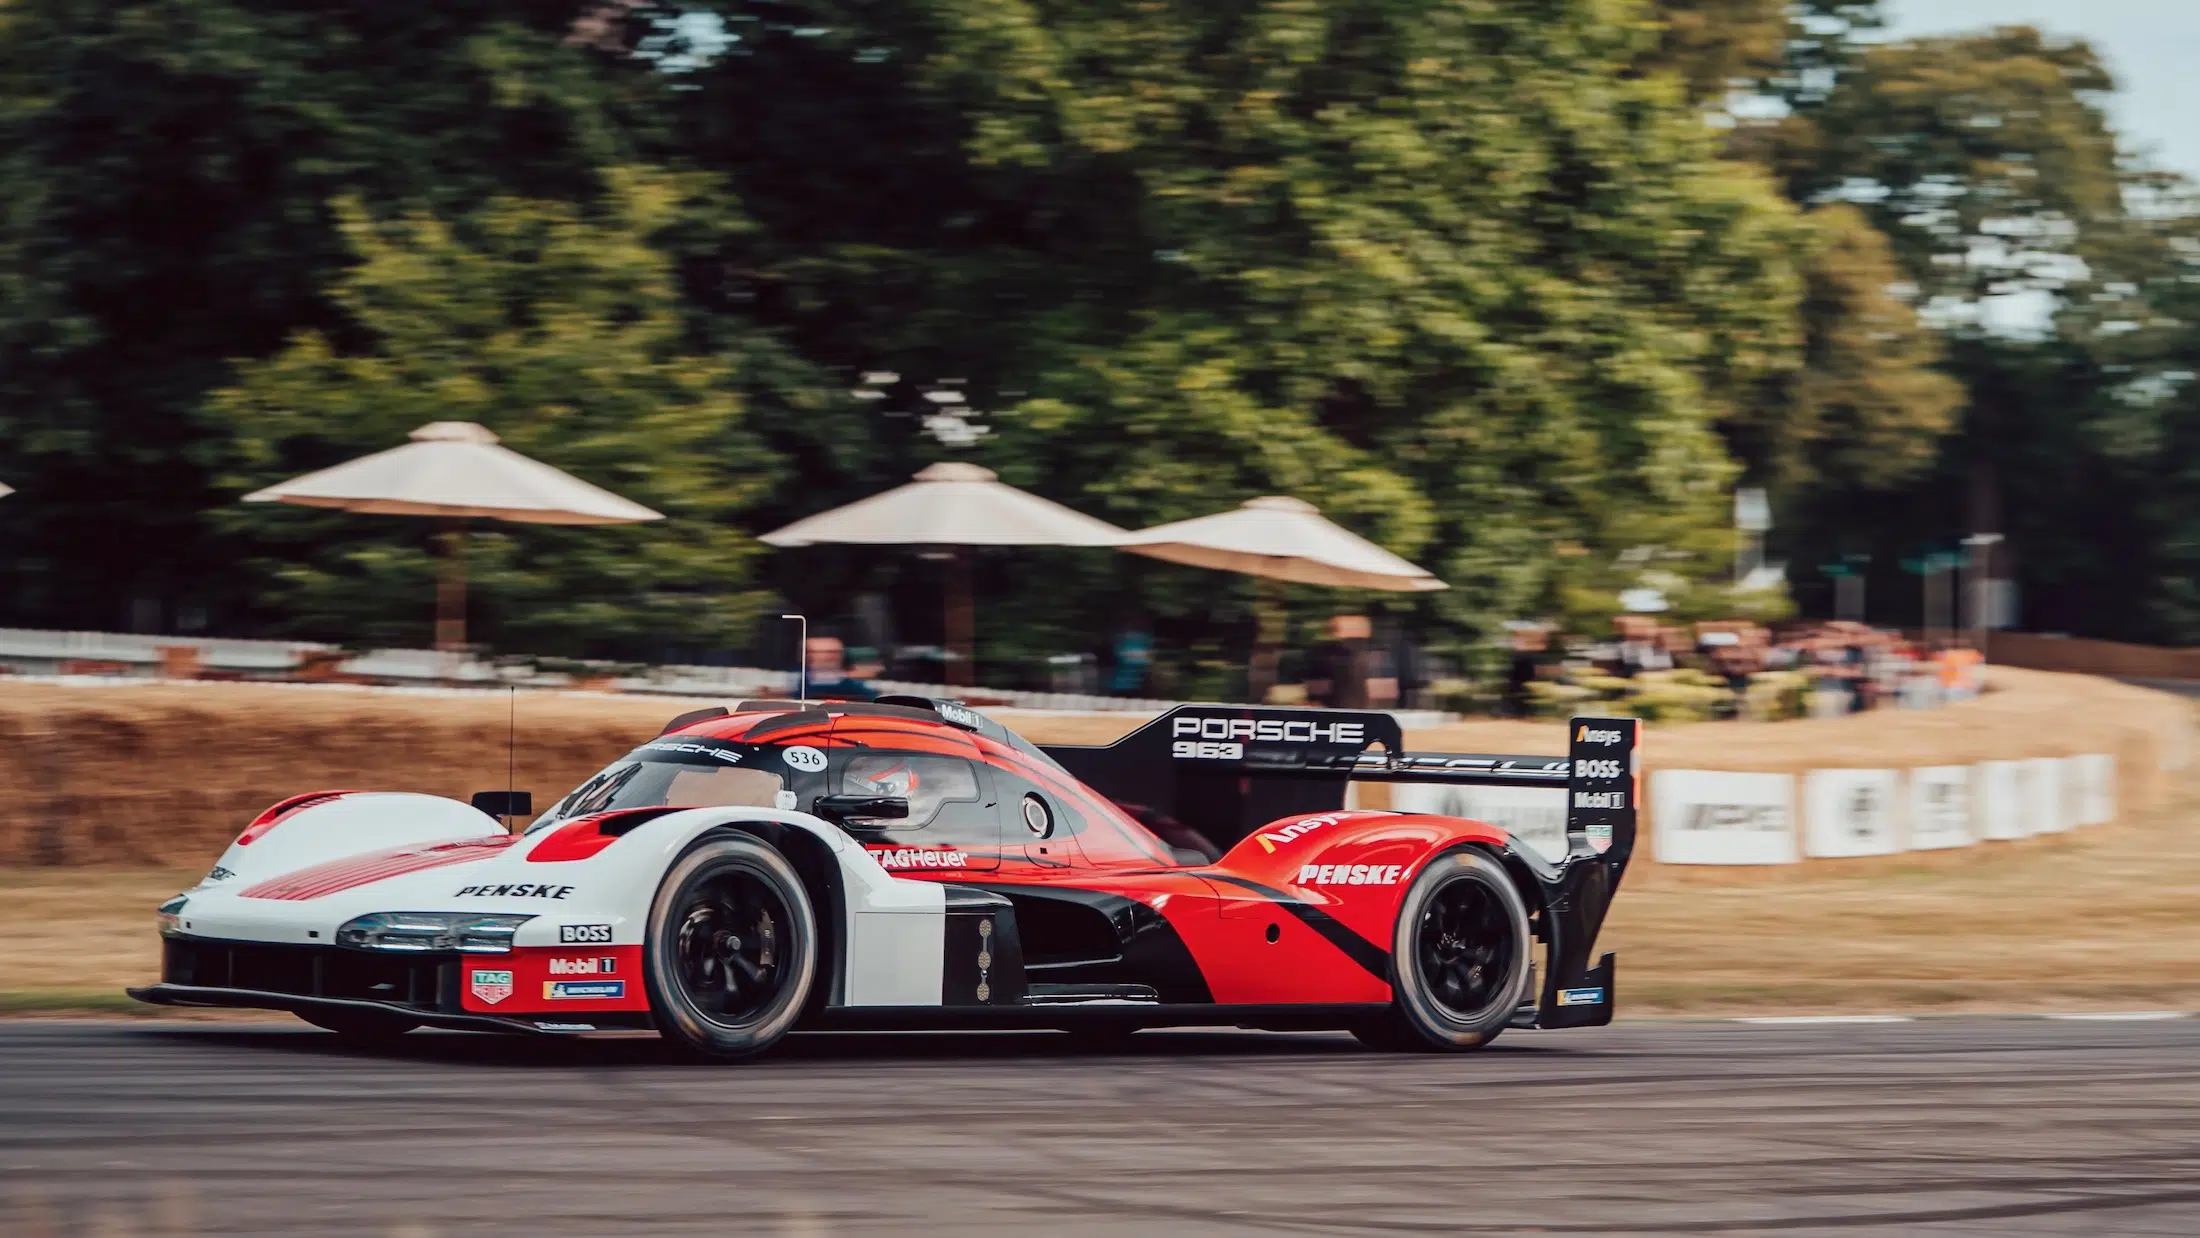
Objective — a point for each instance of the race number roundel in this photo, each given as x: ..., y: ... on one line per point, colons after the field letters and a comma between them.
x: 808, y: 760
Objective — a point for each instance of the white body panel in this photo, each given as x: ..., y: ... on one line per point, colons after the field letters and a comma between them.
x: 894, y: 929
x: 354, y: 824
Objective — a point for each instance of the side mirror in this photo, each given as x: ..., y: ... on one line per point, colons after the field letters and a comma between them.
x: 505, y: 804
x: 860, y: 809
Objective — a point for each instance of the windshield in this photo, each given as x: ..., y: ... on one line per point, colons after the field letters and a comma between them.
x: 674, y: 773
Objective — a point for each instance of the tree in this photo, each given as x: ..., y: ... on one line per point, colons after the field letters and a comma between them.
x: 166, y: 170
x: 1716, y: 46
x: 564, y: 334
x: 1454, y: 272
x: 1986, y: 159
x: 1987, y: 162
x: 1866, y: 409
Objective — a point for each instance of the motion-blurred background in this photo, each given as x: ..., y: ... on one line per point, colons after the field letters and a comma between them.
x: 1738, y: 311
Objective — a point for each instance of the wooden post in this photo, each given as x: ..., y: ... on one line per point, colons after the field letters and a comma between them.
x: 1260, y: 672
x: 450, y: 598
x: 961, y: 657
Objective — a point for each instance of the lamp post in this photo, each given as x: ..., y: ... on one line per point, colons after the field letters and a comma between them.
x: 802, y: 660
x: 1979, y: 555
x: 1752, y: 518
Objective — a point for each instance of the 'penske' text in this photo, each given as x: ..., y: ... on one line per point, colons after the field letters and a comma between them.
x: 1350, y: 874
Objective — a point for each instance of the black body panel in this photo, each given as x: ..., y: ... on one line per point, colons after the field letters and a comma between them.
x: 1064, y: 931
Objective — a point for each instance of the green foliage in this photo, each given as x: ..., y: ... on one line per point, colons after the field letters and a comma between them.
x: 1679, y: 695
x: 564, y: 335
x: 1986, y: 159
x: 1867, y: 407
x: 1453, y: 272
x: 1481, y: 278
x: 166, y: 174
x: 1715, y: 46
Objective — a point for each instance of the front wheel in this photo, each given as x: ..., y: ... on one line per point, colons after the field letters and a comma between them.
x: 732, y: 949
x: 1461, y: 952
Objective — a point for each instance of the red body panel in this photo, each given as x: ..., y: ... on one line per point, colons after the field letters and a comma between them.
x: 1303, y: 911
x: 535, y: 973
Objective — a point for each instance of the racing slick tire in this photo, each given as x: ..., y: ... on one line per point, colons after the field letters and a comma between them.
x: 731, y: 954
x: 360, y: 1026
x: 1463, y: 957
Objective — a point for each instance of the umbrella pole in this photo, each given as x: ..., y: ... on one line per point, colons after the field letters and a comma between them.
x: 1260, y: 674
x: 961, y: 669
x: 450, y: 598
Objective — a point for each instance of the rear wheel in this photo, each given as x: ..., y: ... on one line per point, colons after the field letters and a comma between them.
x: 732, y: 949
x: 361, y: 1026
x: 1461, y: 952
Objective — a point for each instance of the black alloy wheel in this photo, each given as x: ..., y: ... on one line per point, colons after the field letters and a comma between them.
x: 1465, y: 949
x: 730, y: 961
x: 732, y: 948
x: 1462, y: 957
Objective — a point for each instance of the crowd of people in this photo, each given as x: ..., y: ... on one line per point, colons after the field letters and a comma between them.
x: 1838, y: 666
x: 1818, y: 667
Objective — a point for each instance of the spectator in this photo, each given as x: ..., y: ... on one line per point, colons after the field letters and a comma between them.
x: 1133, y: 658
x: 1530, y: 645
x: 1336, y: 669
x: 1639, y: 649
x: 829, y: 679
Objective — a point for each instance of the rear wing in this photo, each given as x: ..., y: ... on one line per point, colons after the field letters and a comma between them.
x: 1228, y: 770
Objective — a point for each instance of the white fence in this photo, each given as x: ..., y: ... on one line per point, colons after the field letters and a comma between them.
x: 1717, y: 817
x: 1701, y: 816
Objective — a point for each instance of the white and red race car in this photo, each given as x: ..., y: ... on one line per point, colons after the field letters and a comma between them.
x: 912, y: 863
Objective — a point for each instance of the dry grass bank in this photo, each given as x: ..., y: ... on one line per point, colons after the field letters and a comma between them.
x: 165, y: 774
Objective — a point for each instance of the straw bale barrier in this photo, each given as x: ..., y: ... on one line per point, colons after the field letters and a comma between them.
x: 165, y: 774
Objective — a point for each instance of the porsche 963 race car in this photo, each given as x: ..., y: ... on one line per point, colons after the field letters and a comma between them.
x: 914, y: 864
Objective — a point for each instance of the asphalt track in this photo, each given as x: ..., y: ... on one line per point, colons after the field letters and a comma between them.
x: 1955, y: 1127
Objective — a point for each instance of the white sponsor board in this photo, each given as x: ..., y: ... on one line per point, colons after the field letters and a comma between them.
x: 1716, y: 817
x: 2042, y: 796
x: 1940, y: 807
x: 1534, y: 815
x: 2091, y: 779
x: 2001, y: 814
x: 1851, y: 812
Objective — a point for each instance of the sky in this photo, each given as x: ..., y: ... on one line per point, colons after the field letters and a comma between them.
x: 2152, y: 46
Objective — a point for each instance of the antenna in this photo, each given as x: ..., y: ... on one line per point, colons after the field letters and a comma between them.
x: 802, y: 682
x: 511, y: 751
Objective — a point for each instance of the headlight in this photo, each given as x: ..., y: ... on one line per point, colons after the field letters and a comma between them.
x: 422, y: 931
x: 170, y: 912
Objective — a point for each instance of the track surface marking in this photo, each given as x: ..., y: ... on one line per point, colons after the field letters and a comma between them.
x: 1940, y: 1127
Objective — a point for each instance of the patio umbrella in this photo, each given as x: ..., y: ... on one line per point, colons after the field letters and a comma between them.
x: 951, y: 505
x: 456, y: 470
x: 1278, y: 538
x: 5, y: 491
x: 1281, y: 539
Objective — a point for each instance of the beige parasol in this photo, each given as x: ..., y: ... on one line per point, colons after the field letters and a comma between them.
x: 1285, y: 539
x: 456, y: 470
x: 1281, y: 539
x: 951, y: 504
x: 5, y: 491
